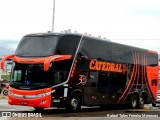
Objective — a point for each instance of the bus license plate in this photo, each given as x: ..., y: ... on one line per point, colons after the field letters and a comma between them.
x: 24, y: 103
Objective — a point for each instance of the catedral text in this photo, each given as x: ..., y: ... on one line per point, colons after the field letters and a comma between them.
x: 107, y: 66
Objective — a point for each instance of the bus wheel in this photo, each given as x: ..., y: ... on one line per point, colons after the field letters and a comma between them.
x: 5, y: 92
x: 38, y: 109
x: 141, y: 102
x: 73, y: 104
x: 133, y: 101
x: 154, y: 104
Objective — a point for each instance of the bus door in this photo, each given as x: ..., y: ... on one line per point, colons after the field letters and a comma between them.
x: 103, y: 89
x: 90, y: 88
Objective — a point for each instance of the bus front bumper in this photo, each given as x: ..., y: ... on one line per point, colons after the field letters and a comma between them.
x: 42, y: 100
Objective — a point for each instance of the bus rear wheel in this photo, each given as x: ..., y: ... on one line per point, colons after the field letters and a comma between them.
x: 133, y: 101
x: 73, y: 104
x: 141, y: 102
x: 154, y: 104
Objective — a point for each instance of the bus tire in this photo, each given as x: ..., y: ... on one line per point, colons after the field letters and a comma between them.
x: 134, y: 101
x: 154, y: 104
x: 141, y: 102
x: 74, y: 104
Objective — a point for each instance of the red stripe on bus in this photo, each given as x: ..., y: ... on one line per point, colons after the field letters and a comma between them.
x: 138, y: 63
x: 29, y: 92
x: 134, y: 78
x: 129, y: 81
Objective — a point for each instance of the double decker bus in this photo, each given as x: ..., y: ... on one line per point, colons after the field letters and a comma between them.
x: 73, y: 70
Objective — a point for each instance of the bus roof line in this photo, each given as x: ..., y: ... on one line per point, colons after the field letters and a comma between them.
x: 151, y: 51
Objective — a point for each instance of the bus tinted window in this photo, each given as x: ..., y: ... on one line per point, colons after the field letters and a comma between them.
x: 97, y: 49
x: 36, y: 46
x: 67, y: 45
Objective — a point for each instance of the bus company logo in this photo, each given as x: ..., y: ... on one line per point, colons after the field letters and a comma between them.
x: 19, y: 115
x: 82, y: 80
x: 6, y: 114
x: 24, y: 97
x: 108, y: 66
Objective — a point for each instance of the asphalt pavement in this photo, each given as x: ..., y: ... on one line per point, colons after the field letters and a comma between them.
x: 87, y: 113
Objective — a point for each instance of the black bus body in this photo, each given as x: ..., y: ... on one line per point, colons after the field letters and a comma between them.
x: 74, y: 70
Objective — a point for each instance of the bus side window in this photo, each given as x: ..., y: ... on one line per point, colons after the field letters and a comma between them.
x: 103, y: 83
x: 63, y: 76
x: 56, y: 78
x: 59, y: 77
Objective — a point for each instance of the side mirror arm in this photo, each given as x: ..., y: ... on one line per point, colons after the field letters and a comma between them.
x: 4, y: 59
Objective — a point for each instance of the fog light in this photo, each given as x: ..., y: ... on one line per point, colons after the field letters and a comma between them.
x: 43, y: 102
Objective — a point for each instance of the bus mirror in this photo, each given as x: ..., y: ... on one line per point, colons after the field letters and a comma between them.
x: 4, y: 59
x: 55, y: 58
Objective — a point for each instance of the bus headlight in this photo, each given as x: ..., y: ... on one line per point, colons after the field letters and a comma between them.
x: 45, y: 94
x: 31, y: 96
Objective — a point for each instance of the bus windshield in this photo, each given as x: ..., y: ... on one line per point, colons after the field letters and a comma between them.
x: 34, y: 77
x: 37, y: 46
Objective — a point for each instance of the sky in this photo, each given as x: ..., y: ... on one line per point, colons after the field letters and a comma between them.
x: 131, y: 22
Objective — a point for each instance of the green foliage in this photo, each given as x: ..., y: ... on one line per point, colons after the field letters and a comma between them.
x: 5, y: 77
